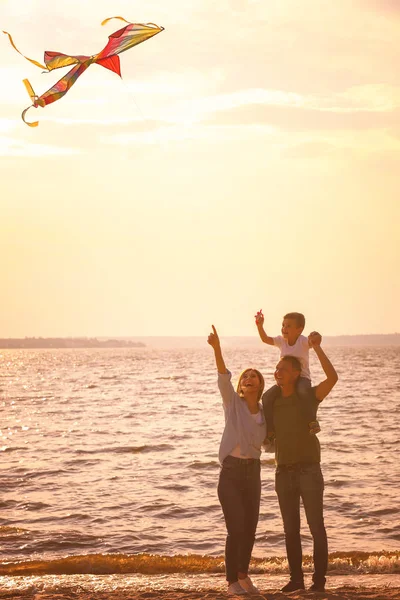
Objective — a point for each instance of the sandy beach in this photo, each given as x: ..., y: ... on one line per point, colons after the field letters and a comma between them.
x: 188, y: 587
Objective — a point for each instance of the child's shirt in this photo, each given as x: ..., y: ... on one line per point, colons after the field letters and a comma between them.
x: 300, y: 350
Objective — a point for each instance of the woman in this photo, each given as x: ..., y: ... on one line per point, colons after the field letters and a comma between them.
x: 239, y: 487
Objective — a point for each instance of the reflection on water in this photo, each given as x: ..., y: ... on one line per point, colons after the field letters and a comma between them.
x: 110, y: 450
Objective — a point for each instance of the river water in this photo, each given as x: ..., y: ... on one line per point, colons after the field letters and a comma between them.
x: 109, y: 451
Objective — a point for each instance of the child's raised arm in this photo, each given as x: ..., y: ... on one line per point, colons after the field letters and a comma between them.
x: 213, y: 340
x: 267, y: 339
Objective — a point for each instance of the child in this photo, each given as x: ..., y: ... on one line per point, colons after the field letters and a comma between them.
x: 292, y: 343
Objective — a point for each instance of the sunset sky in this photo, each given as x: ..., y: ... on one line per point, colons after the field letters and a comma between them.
x: 249, y: 158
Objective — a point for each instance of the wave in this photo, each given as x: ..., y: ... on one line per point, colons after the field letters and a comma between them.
x: 197, y: 464
x: 102, y: 564
x: 127, y: 449
x: 171, y: 378
x: 7, y: 530
x: 11, y: 448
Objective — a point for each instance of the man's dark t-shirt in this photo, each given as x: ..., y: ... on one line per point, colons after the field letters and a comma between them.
x: 293, y: 441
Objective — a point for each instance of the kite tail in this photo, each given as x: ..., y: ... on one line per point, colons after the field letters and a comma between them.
x: 34, y: 123
x: 111, y: 18
x: 26, y: 83
x: 38, y: 64
x: 35, y: 103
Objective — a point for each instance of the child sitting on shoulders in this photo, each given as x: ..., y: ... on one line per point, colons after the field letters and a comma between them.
x: 291, y: 343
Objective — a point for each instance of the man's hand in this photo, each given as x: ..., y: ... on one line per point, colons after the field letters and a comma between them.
x: 213, y: 338
x: 314, y: 339
x: 259, y: 318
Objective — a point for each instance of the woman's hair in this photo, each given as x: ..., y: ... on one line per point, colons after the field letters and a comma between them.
x: 260, y: 377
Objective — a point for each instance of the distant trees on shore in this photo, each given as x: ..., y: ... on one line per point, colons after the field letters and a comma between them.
x: 79, y: 342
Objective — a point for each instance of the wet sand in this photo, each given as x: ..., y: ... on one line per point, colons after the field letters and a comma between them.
x: 190, y: 587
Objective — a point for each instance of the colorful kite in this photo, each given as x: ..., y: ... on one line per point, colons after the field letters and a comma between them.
x: 125, y: 38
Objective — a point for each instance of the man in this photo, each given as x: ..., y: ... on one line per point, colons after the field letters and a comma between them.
x: 298, y: 472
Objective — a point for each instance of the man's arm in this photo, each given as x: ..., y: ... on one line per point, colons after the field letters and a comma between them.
x: 323, y: 388
x: 213, y: 340
x: 260, y: 327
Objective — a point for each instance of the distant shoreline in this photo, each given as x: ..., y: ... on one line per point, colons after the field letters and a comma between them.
x: 390, y: 339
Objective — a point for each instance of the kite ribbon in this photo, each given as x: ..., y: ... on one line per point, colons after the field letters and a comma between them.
x: 38, y: 64
x: 26, y: 83
x: 34, y: 98
x: 111, y: 18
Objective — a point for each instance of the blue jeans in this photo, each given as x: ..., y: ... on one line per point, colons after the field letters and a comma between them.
x: 239, y: 492
x: 304, y: 481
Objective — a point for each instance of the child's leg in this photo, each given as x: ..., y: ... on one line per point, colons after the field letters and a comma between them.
x: 268, y: 400
x: 303, y: 388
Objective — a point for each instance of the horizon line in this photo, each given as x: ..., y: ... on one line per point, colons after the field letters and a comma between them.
x: 395, y: 333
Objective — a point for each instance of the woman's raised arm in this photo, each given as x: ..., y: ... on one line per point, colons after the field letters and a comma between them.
x: 213, y: 340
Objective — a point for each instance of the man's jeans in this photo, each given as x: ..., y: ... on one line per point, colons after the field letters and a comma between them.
x: 239, y: 491
x: 292, y: 483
